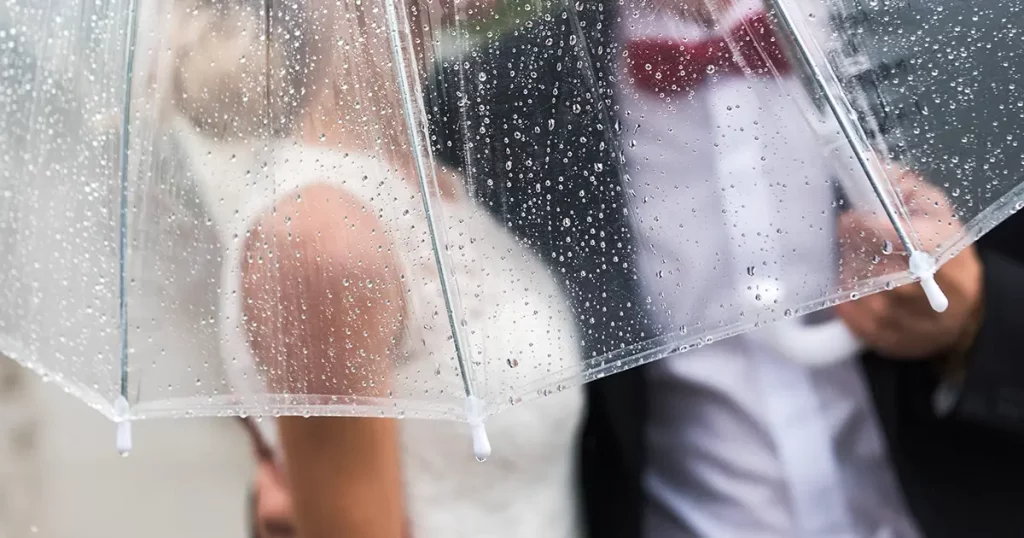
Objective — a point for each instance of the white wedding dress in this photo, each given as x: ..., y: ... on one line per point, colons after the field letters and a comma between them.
x: 518, y: 324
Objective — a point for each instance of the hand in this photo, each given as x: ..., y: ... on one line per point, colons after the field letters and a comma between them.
x: 900, y: 323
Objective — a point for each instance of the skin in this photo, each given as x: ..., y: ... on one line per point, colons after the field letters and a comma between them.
x: 900, y: 323
x: 321, y: 294
x: 273, y: 514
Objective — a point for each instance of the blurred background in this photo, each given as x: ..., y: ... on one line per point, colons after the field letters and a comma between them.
x: 184, y: 477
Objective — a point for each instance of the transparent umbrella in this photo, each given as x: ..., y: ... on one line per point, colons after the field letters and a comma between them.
x: 441, y: 211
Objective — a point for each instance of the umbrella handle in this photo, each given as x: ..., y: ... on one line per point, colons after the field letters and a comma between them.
x: 822, y: 344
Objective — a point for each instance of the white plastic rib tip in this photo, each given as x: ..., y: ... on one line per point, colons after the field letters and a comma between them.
x: 922, y: 265
x: 481, y: 444
x: 475, y: 417
x: 124, y: 426
x: 936, y: 297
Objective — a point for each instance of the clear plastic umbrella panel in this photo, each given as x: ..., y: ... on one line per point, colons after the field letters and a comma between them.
x: 442, y: 211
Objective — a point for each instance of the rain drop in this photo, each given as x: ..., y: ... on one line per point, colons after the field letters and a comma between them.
x: 512, y: 363
x: 750, y: 270
x: 887, y: 247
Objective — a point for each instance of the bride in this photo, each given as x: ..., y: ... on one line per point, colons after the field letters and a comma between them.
x: 330, y: 292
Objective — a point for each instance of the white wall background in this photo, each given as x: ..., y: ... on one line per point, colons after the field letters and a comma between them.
x: 185, y: 478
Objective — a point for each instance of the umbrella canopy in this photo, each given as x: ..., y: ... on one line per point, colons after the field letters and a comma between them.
x: 443, y: 210
x: 837, y: 148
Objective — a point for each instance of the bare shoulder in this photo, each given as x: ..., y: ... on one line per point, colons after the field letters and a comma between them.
x: 320, y: 271
x: 322, y: 220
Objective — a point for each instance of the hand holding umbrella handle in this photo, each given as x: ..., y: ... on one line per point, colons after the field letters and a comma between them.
x: 822, y: 344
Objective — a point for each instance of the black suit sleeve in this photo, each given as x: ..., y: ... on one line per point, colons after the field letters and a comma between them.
x: 992, y: 392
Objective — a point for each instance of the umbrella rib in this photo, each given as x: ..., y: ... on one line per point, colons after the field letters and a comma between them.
x: 847, y: 125
x: 121, y: 405
x: 475, y: 407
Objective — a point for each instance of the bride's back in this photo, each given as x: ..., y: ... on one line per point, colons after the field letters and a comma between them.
x: 515, y: 320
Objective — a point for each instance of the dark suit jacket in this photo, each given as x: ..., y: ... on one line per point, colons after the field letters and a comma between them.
x: 962, y: 475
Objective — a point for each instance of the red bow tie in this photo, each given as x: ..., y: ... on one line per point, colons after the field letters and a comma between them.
x: 663, y: 67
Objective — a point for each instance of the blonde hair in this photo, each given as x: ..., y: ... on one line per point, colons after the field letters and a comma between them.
x: 236, y: 67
